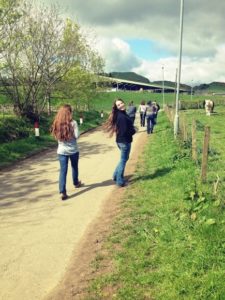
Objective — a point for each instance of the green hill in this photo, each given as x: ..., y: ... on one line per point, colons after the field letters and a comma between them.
x: 213, y: 87
x: 129, y: 76
x: 172, y: 84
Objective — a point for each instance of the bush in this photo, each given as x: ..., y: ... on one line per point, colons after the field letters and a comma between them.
x: 12, y: 128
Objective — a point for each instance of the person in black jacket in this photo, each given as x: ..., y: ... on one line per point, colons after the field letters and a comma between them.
x: 121, y: 124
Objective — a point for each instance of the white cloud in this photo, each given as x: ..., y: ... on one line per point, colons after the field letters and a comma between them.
x: 119, y: 57
x: 117, y: 20
x: 196, y: 70
x: 117, y: 54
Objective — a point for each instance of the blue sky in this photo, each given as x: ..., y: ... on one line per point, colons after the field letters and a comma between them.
x: 147, y: 49
x: 143, y: 35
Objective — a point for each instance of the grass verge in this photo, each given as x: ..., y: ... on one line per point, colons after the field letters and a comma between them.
x: 18, y: 149
x: 168, y: 242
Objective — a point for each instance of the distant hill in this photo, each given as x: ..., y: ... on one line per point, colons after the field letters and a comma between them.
x: 135, y: 77
x: 172, y: 84
x: 129, y: 76
x: 213, y: 87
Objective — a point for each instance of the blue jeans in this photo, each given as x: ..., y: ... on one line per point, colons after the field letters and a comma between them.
x: 118, y: 174
x: 150, y: 123
x: 63, y: 160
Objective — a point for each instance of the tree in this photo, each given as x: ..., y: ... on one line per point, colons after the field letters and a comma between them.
x: 78, y: 86
x: 80, y: 82
x: 8, y: 15
x: 38, y: 51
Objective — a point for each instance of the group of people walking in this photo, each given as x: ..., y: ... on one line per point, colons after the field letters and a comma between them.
x: 120, y: 122
x: 148, y: 114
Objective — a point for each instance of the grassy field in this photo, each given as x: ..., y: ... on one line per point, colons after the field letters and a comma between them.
x: 104, y: 101
x: 168, y: 241
x: 217, y: 138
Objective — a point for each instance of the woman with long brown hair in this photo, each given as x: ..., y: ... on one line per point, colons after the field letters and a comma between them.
x: 120, y: 124
x: 66, y: 132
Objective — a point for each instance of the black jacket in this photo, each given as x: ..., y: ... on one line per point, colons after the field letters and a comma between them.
x: 125, y: 128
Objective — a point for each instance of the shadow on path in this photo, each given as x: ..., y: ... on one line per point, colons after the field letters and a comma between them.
x: 86, y: 188
x: 157, y: 173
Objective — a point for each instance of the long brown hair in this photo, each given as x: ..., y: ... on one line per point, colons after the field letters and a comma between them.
x: 110, y: 124
x: 62, y: 128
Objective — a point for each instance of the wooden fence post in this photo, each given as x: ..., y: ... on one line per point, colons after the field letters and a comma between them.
x: 185, y: 130
x: 194, y: 141
x: 205, y: 153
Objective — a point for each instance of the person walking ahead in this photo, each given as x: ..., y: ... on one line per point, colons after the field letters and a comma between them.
x: 142, y: 111
x: 121, y: 124
x: 150, y: 116
x: 131, y: 111
x: 65, y: 130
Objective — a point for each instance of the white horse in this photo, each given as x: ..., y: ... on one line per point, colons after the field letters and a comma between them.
x: 209, y: 106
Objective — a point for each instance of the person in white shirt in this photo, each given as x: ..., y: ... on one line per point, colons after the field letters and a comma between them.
x: 66, y: 131
x: 142, y: 111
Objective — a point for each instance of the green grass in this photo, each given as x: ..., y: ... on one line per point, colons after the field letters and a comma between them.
x: 19, y: 148
x: 22, y: 148
x: 165, y: 244
x: 104, y: 101
x: 217, y: 138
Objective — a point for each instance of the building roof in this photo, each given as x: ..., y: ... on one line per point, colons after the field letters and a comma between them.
x: 136, y: 85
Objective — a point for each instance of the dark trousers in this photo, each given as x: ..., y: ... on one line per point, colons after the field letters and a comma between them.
x: 142, y: 119
x: 132, y: 119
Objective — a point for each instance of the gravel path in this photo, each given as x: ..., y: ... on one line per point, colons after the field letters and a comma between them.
x: 38, y: 231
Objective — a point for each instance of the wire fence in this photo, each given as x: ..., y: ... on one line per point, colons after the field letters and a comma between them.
x: 188, y: 136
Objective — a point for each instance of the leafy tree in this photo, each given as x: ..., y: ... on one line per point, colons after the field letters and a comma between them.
x: 38, y: 51
x: 8, y: 15
x: 78, y: 86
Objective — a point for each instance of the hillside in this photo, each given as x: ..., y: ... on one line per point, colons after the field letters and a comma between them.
x: 129, y: 76
x: 213, y: 87
x: 136, y: 77
x: 172, y: 84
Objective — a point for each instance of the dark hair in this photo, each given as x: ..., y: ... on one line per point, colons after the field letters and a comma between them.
x: 142, y: 102
x: 110, y: 124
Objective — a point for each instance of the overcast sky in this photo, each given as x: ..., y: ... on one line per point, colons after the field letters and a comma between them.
x: 143, y: 36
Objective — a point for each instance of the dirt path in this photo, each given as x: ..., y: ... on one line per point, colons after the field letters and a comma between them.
x: 42, y: 236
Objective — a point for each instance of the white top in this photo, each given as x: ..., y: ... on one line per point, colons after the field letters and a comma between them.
x: 69, y: 147
x: 142, y: 108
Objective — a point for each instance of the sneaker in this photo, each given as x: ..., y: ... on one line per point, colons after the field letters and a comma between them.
x: 64, y: 196
x: 79, y: 184
x: 123, y: 184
